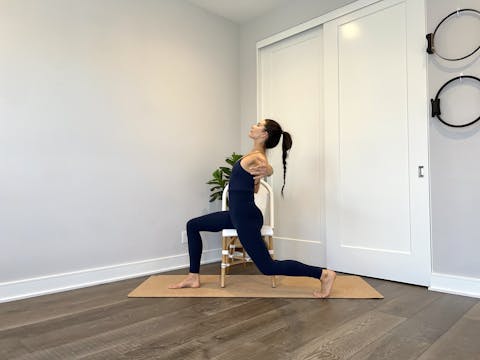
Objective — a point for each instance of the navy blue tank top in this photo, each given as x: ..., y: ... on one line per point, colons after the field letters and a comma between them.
x: 243, y: 211
x: 240, y: 179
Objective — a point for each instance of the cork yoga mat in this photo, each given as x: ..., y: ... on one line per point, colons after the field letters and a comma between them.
x: 256, y: 286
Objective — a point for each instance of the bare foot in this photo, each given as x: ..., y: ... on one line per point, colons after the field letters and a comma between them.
x: 327, y: 279
x: 191, y: 281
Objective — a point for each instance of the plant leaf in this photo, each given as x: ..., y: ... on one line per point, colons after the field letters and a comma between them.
x: 221, y: 177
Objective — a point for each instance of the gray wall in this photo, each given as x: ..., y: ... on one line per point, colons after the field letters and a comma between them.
x: 113, y: 114
x: 454, y: 153
x: 455, y: 169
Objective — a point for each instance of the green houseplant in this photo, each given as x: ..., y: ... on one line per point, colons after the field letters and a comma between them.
x: 221, y: 176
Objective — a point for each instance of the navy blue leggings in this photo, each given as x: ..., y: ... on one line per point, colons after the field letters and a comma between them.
x: 249, y: 234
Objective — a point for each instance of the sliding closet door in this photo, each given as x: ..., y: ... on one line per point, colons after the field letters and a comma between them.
x: 290, y: 91
x: 377, y: 142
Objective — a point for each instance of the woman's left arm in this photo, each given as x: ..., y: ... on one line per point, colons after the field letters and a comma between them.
x: 260, y: 169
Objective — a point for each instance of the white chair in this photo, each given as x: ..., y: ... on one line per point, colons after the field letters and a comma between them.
x: 232, y: 250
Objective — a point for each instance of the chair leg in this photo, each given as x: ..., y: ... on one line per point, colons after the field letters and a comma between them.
x: 231, y: 250
x: 228, y: 247
x: 244, y: 253
x: 270, y: 250
x: 225, y: 244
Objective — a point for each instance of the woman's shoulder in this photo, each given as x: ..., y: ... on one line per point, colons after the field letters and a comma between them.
x: 254, y: 158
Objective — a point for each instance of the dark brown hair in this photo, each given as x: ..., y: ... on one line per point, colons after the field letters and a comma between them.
x: 275, y: 131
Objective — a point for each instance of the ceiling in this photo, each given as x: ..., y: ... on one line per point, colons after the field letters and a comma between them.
x: 239, y: 11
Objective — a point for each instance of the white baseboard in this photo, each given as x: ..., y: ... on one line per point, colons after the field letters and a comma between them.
x: 453, y: 284
x: 21, y: 289
x: 307, y: 251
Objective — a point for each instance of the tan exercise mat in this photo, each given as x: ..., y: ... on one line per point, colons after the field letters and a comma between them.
x: 256, y: 286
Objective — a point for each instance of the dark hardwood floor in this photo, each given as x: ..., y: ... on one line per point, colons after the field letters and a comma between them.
x: 100, y: 322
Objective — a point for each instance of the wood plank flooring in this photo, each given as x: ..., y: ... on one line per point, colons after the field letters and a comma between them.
x: 100, y: 322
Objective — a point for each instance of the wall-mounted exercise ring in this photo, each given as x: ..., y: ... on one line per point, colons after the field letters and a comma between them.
x: 431, y: 37
x: 436, y: 102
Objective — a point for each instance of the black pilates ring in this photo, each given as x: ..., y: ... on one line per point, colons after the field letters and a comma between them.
x: 431, y: 37
x: 436, y: 102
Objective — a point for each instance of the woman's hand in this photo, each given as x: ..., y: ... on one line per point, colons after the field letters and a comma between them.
x: 256, y: 186
x: 260, y: 170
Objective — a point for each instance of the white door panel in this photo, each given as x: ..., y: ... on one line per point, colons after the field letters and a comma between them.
x: 373, y: 131
x: 376, y: 137
x: 290, y: 92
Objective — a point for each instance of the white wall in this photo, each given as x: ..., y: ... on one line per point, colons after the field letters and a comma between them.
x: 113, y: 114
x: 455, y: 166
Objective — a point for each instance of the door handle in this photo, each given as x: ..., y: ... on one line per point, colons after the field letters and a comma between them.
x: 420, y: 171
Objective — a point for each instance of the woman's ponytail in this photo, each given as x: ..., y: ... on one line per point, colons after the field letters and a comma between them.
x: 275, y: 131
x: 286, y: 146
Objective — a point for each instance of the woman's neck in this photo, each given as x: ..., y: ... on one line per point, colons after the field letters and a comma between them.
x: 258, y: 148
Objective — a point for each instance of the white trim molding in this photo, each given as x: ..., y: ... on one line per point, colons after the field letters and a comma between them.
x: 26, y: 288
x: 315, y: 22
x: 307, y: 251
x: 299, y: 240
x: 454, y: 284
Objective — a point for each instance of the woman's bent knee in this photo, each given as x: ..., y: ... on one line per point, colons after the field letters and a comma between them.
x: 192, y: 224
x: 267, y: 269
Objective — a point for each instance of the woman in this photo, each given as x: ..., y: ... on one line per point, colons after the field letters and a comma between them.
x: 247, y: 218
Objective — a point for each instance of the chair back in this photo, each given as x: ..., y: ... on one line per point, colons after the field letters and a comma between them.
x: 263, y: 200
